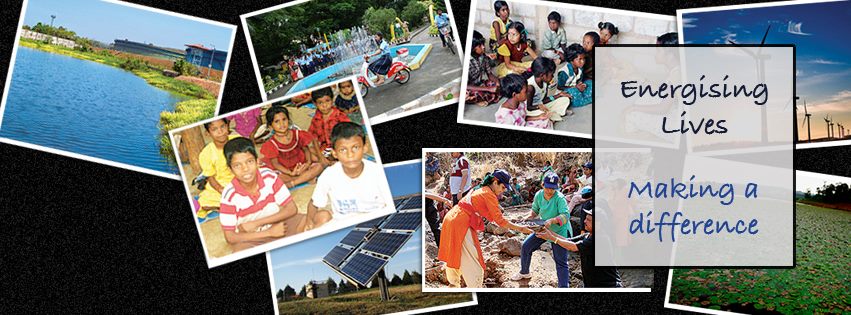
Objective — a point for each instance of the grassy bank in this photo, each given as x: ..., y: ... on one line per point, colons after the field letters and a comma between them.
x: 153, y: 76
x: 199, y: 103
x: 368, y: 301
x: 185, y: 113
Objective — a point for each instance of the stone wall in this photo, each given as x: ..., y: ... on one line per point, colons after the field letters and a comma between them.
x: 53, y: 39
x: 576, y: 21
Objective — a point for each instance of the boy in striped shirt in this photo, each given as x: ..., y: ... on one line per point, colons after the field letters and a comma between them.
x: 256, y: 207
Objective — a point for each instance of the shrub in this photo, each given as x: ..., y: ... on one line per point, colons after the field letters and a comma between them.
x: 185, y: 113
x: 185, y: 68
x: 379, y: 20
x: 415, y: 13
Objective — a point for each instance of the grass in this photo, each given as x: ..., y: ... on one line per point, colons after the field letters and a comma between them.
x: 818, y: 284
x: 185, y: 113
x: 152, y: 76
x: 409, y: 297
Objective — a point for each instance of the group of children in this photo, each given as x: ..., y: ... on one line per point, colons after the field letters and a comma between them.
x: 250, y: 190
x: 310, y: 62
x: 537, y: 92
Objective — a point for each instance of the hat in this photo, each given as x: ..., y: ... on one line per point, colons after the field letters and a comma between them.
x: 586, y: 190
x: 588, y: 165
x: 588, y: 207
x: 503, y: 178
x: 551, y: 180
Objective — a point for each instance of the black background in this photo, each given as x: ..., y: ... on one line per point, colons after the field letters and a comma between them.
x: 80, y: 236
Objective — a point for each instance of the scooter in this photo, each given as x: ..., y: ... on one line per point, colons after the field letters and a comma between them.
x: 399, y: 72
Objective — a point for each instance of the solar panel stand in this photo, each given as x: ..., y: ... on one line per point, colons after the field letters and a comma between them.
x: 382, y: 286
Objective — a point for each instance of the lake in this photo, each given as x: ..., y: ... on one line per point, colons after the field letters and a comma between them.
x: 87, y: 108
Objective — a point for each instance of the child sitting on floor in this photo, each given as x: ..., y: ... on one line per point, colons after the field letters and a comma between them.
x: 543, y: 109
x: 346, y: 101
x: 512, y: 51
x: 350, y: 186
x: 498, y: 29
x: 324, y: 119
x: 555, y: 39
x: 513, y: 110
x: 482, y: 85
x: 256, y: 207
x: 570, y: 77
x: 290, y: 152
x: 589, y: 41
x: 213, y: 166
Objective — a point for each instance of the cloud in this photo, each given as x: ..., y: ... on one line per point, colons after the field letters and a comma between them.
x: 839, y: 102
x: 795, y: 28
x: 308, y: 261
x: 689, y: 22
x: 826, y: 62
x: 842, y: 95
x: 824, y: 78
x: 409, y: 249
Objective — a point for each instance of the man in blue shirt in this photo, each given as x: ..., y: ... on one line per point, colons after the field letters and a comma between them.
x: 442, y: 20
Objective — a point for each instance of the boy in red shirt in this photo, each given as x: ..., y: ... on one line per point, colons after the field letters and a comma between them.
x: 326, y: 117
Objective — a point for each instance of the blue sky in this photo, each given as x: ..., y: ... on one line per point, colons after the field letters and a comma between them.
x: 301, y: 262
x: 106, y: 22
x: 823, y: 45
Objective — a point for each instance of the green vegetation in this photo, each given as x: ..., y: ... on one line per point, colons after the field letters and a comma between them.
x: 368, y: 301
x: 184, y: 67
x: 379, y: 19
x: 415, y: 13
x: 139, y: 67
x: 282, y: 32
x: 818, y: 284
x: 185, y: 113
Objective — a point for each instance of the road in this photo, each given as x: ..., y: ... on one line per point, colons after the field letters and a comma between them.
x: 439, y: 68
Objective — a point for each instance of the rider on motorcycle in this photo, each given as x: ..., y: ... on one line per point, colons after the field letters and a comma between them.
x: 382, y: 64
x: 442, y: 20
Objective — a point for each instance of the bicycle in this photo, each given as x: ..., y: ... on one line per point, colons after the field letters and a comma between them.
x: 447, y: 36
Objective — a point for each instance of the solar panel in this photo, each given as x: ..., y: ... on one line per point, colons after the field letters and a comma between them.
x: 362, y: 268
x: 371, y: 223
x: 412, y: 203
x: 354, y: 237
x: 404, y: 221
x: 335, y: 256
x: 386, y: 243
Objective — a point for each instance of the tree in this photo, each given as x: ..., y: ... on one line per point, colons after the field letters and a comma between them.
x: 288, y: 292
x: 303, y: 292
x: 415, y: 13
x: 406, y: 278
x: 344, y: 287
x: 379, y: 20
x: 416, y: 277
x: 280, y: 294
x: 396, y: 280
x: 332, y: 286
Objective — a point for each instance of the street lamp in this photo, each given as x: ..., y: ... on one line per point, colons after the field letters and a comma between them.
x: 52, y: 17
x: 211, y: 60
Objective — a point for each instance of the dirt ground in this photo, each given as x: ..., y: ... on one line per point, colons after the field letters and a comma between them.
x: 501, y: 250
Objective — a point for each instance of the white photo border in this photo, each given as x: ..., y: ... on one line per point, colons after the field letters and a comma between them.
x: 378, y: 119
x: 96, y: 159
x: 213, y: 262
x: 507, y: 150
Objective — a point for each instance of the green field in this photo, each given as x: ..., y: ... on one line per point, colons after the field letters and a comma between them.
x: 368, y: 301
x: 818, y: 284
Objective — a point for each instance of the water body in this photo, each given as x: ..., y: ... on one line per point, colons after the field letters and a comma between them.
x: 85, y: 107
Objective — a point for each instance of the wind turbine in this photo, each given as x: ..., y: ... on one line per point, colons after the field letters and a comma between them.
x: 806, y: 120
x: 827, y: 122
x: 760, y: 71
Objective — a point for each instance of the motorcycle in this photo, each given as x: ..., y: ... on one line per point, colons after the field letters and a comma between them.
x: 399, y: 72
